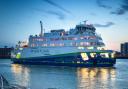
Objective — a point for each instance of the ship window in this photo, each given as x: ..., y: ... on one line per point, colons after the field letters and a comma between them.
x: 101, y: 48
x: 81, y: 38
x: 80, y: 47
x: 52, y: 44
x: 21, y: 48
x: 39, y: 39
x: 81, y: 43
x: 104, y: 55
x: 90, y: 47
x: 64, y: 38
x: 85, y: 37
x: 113, y: 55
x: 70, y: 38
x: 61, y: 44
x: 32, y: 45
x: 75, y: 38
x: 74, y: 44
x: 92, y: 37
x: 92, y: 55
x: 84, y: 56
x: 84, y: 44
x: 44, y: 44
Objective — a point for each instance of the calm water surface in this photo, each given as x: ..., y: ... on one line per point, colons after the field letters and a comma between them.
x: 51, y: 77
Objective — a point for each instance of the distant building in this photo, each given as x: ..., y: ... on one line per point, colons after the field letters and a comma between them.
x: 5, y: 52
x: 124, y: 49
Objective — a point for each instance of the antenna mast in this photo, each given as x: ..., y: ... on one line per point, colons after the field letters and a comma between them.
x: 41, y: 24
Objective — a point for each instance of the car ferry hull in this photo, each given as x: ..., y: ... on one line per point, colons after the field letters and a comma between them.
x: 74, y: 60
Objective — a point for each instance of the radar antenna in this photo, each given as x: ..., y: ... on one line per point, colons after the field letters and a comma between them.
x: 85, y: 21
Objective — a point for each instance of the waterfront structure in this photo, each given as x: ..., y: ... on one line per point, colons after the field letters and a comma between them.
x: 124, y: 49
x: 80, y: 46
x: 5, y: 52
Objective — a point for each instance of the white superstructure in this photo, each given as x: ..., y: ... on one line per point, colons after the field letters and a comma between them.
x: 83, y: 38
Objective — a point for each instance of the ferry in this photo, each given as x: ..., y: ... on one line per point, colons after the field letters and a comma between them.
x: 81, y: 46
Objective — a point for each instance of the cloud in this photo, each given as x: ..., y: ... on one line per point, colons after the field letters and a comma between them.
x: 58, y: 6
x: 93, y: 14
x: 100, y: 3
x: 122, y: 9
x: 107, y: 24
x: 58, y: 14
x: 119, y: 12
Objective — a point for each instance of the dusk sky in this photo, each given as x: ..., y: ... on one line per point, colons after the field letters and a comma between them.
x: 20, y: 18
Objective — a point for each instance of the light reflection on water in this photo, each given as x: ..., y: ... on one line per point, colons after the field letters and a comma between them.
x: 96, y: 78
x: 46, y: 77
x: 21, y: 74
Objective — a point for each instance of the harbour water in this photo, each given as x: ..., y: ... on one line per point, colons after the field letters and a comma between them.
x: 52, y: 77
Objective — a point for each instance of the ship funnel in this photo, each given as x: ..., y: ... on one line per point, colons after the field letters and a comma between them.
x: 41, y: 24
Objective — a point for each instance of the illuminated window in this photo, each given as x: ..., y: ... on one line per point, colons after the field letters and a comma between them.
x: 75, y: 38
x: 81, y: 43
x: 61, y: 44
x: 84, y: 56
x: 82, y: 38
x: 104, y: 55
x: 52, y: 44
x: 93, y: 54
x: 74, y: 44
x: 18, y: 55
x: 80, y: 47
x: 92, y: 43
x: 84, y: 43
x: 64, y: 38
x: 70, y: 38
x: 21, y: 48
x: 87, y: 43
x: 101, y: 48
x: 32, y: 45
x: 90, y: 47
x: 113, y: 55
x: 91, y: 37
x: 85, y: 37
x: 44, y: 44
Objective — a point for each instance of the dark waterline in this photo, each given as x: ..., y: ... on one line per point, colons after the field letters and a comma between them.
x: 51, y: 77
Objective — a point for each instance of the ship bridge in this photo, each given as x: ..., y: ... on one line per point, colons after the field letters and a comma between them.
x: 83, y: 29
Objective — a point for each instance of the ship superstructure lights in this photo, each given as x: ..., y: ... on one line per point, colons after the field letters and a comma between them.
x: 104, y: 55
x: 80, y: 47
x: 18, y: 55
x: 92, y: 55
x: 84, y: 56
x: 90, y: 48
x: 101, y: 48
x: 113, y: 55
x: 20, y: 48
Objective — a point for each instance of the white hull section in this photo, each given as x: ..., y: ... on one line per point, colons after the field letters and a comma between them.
x: 50, y: 51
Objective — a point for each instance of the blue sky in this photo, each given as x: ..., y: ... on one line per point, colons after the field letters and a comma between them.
x: 20, y: 18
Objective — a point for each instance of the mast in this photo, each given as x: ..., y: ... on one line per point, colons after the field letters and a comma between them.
x: 41, y: 24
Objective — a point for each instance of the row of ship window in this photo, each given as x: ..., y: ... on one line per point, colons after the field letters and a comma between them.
x: 64, y: 38
x: 70, y: 44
